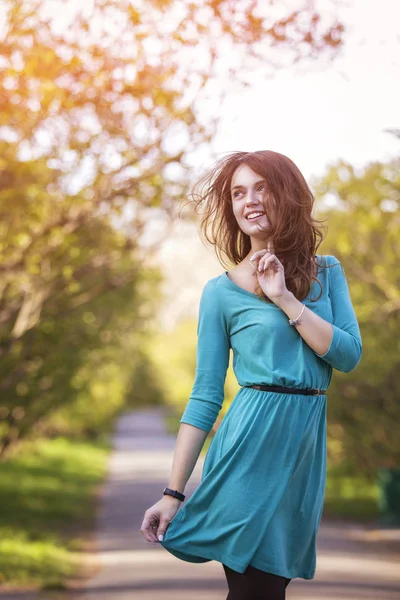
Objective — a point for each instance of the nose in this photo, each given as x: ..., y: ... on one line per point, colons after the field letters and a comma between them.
x: 252, y: 198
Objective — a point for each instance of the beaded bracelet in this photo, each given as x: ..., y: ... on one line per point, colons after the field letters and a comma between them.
x: 294, y: 322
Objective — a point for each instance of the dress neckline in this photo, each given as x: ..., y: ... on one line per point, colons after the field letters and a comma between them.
x: 246, y: 292
x: 237, y: 287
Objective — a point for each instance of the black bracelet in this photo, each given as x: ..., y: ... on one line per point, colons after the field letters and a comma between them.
x: 174, y: 493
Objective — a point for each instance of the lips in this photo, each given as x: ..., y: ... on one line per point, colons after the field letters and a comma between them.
x: 254, y: 215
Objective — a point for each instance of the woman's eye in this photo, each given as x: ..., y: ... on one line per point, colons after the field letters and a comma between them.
x: 239, y: 192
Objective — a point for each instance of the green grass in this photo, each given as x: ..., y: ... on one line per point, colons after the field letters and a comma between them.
x: 47, y: 495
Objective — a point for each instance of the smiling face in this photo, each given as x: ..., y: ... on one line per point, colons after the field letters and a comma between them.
x: 248, y: 193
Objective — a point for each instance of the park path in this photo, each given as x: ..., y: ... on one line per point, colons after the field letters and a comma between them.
x: 354, y: 562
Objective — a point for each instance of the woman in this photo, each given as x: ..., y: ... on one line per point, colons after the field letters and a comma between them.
x: 286, y: 313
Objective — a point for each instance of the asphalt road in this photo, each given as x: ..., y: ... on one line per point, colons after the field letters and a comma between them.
x: 354, y: 562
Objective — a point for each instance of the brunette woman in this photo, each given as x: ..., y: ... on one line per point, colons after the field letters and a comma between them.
x: 287, y: 315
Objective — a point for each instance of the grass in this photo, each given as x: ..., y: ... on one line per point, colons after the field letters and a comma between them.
x: 346, y: 496
x: 47, y: 495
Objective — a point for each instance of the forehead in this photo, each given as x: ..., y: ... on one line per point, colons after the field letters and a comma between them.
x: 244, y: 175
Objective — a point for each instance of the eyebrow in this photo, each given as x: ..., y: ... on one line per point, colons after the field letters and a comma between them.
x: 242, y: 186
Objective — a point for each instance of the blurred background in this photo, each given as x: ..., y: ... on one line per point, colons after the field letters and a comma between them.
x: 110, y: 111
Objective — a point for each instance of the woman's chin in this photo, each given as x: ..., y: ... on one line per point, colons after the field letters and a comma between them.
x: 259, y: 233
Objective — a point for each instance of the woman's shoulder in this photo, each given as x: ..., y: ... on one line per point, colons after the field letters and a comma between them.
x: 212, y: 286
x: 327, y: 260
x: 332, y: 271
x: 211, y: 300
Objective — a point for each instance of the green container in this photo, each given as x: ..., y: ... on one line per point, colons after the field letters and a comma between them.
x: 389, y: 496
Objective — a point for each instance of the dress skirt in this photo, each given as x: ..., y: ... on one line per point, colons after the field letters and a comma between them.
x: 261, y: 494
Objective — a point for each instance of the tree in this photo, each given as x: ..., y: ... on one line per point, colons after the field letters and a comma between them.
x: 99, y: 117
x: 364, y: 230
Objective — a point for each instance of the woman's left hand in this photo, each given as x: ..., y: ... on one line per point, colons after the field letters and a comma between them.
x: 270, y: 273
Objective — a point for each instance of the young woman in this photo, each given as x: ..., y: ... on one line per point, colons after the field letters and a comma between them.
x: 287, y: 315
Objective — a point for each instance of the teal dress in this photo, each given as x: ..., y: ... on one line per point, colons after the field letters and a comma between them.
x: 261, y: 494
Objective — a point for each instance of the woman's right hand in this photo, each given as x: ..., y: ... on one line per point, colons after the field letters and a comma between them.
x: 158, y: 517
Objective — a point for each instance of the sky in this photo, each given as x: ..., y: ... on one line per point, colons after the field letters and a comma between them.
x: 323, y: 111
x: 328, y: 111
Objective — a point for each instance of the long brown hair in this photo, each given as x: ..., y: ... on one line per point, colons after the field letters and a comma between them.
x: 294, y: 232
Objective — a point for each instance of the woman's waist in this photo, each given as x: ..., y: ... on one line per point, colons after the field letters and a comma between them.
x: 285, y: 389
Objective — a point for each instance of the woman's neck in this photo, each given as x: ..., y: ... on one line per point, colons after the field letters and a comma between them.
x: 256, y: 245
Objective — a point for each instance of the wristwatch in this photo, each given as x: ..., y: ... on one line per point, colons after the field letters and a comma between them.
x: 168, y: 492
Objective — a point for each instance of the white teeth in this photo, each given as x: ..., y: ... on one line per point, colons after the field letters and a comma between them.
x: 253, y: 215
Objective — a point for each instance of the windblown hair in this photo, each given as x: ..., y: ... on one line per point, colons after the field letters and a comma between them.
x: 288, y: 203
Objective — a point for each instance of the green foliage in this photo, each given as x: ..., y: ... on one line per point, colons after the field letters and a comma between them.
x: 145, y: 386
x: 98, y: 118
x: 70, y: 373
x: 47, y: 509
x: 350, y: 496
x: 363, y: 407
x: 115, y: 371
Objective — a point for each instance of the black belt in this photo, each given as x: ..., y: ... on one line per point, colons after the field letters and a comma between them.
x: 288, y: 390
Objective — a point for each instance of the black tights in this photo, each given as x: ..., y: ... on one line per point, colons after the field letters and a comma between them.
x: 254, y: 584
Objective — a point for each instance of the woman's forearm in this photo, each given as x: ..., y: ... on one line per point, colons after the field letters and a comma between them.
x: 189, y: 442
x: 314, y: 330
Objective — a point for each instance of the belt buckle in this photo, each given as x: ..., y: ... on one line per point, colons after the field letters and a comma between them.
x: 315, y: 391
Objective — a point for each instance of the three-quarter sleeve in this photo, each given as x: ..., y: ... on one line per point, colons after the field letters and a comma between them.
x: 345, y: 350
x: 212, y: 361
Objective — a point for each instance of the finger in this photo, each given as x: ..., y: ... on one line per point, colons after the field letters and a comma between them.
x: 257, y: 255
x: 261, y: 264
x: 149, y: 534
x: 162, y: 528
x: 271, y: 262
x: 147, y: 529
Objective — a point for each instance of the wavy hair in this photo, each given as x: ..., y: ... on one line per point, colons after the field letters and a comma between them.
x: 293, y: 231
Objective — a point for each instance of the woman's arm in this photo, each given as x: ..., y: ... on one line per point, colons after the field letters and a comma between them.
x: 212, y: 361
x: 189, y: 443
x: 157, y: 518
x: 207, y: 396
x: 338, y: 343
x: 201, y: 410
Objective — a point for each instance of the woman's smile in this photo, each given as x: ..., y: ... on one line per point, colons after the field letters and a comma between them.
x: 254, y: 216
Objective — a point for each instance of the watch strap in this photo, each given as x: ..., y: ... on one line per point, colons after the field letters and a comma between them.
x: 168, y: 492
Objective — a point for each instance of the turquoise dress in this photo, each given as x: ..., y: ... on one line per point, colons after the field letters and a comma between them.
x: 261, y: 494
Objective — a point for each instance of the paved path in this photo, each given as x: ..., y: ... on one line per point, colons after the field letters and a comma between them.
x: 353, y: 562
